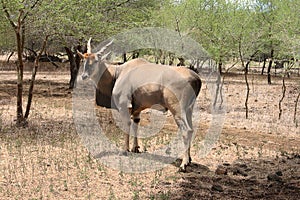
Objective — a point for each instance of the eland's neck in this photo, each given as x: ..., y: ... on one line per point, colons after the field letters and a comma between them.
x: 102, y: 71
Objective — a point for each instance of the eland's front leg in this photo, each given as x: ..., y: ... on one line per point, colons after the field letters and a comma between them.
x: 134, y: 129
x: 126, y: 130
x: 124, y: 125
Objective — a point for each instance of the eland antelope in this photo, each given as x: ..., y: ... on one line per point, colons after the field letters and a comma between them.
x: 137, y: 85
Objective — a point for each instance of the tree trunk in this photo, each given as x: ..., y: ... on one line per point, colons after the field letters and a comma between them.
x: 20, y: 70
x: 264, y: 66
x: 295, y: 110
x: 135, y: 54
x: 74, y: 64
x: 247, y: 86
x: 19, y: 29
x: 271, y: 55
x: 124, y: 58
x: 281, y: 100
x: 34, y: 70
x: 270, y: 66
x: 246, y: 69
x: 72, y: 67
x: 220, y: 66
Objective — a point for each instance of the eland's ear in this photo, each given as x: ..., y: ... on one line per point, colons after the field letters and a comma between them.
x: 96, y: 57
x: 80, y: 54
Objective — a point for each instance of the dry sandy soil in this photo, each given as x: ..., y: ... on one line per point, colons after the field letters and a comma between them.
x: 254, y: 158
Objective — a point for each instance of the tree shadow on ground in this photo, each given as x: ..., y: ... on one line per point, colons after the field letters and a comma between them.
x: 277, y: 178
x: 42, y: 88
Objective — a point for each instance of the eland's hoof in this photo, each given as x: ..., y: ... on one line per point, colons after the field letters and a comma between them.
x: 182, y: 169
x: 135, y: 149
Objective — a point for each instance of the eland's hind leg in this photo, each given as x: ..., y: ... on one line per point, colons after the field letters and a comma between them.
x: 189, y: 119
x: 184, y: 123
x: 181, y: 111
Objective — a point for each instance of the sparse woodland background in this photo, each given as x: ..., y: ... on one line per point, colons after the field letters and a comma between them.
x: 256, y: 46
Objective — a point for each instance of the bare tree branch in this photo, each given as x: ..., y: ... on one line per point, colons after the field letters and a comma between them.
x: 31, y: 8
x: 115, y: 5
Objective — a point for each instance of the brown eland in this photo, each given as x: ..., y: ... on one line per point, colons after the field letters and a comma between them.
x: 137, y: 85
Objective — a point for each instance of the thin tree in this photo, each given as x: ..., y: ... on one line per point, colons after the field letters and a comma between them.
x: 19, y: 28
x: 33, y: 75
x: 246, y: 70
x: 283, y: 89
x: 295, y: 111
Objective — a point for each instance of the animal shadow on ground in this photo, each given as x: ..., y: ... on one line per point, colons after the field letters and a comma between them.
x: 277, y: 178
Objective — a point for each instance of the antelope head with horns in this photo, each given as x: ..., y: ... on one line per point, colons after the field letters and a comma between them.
x: 93, y: 63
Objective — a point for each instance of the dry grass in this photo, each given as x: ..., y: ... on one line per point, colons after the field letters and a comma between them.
x: 48, y: 161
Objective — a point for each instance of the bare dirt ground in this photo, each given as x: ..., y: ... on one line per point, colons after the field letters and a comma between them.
x: 254, y: 158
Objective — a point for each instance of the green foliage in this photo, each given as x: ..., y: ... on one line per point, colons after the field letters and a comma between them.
x: 225, y: 28
x: 6, y: 36
x: 218, y: 25
x: 9, y: 12
x: 71, y: 22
